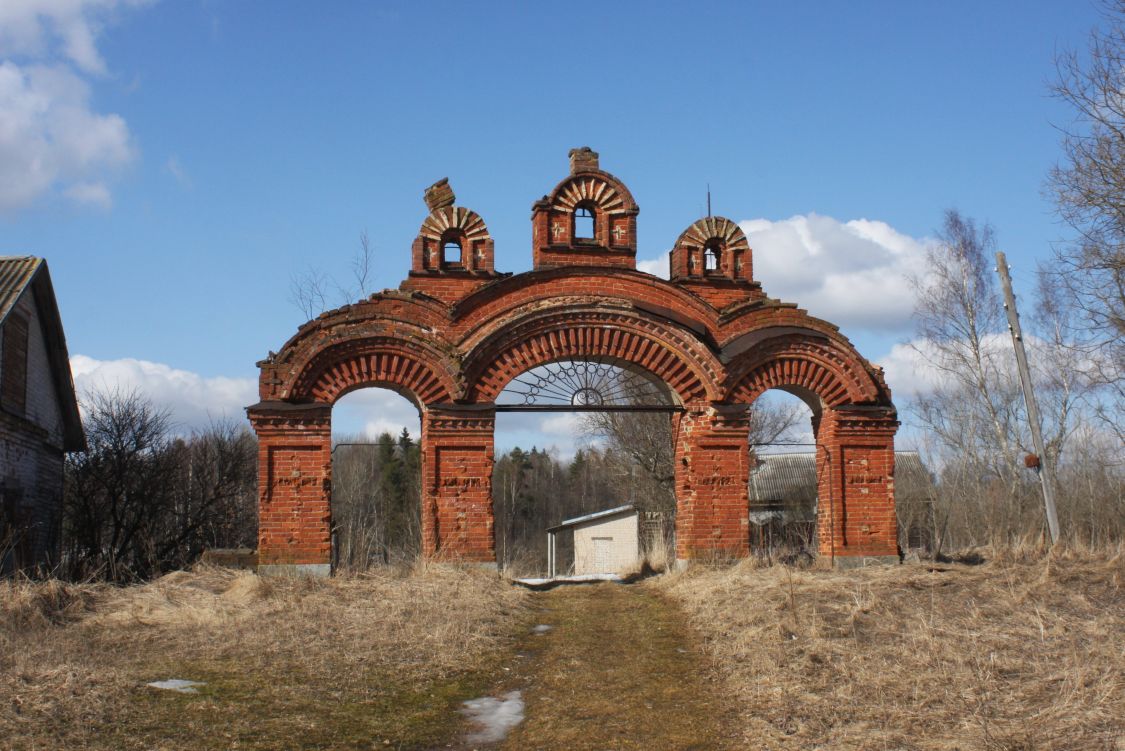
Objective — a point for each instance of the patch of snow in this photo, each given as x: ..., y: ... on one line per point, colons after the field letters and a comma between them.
x: 494, y: 717
x: 178, y: 684
x: 542, y: 628
x: 580, y: 578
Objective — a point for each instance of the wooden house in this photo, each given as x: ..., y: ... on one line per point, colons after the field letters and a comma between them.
x: 39, y: 418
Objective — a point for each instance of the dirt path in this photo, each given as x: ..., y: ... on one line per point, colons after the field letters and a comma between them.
x: 619, y: 669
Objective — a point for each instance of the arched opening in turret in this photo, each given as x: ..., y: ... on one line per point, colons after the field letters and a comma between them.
x: 452, y: 255
x: 584, y: 223
x: 712, y: 255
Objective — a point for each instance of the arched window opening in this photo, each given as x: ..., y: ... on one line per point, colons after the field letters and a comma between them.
x: 711, y: 257
x: 451, y: 254
x: 583, y: 223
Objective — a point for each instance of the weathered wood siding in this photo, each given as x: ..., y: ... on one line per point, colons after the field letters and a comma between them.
x: 31, y: 455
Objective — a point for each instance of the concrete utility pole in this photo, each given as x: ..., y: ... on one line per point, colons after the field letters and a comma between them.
x: 1046, y: 472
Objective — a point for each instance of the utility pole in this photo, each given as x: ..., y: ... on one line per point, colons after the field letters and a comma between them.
x: 1045, y: 471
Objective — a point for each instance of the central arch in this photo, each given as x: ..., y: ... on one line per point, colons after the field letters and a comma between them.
x: 457, y: 331
x: 626, y: 337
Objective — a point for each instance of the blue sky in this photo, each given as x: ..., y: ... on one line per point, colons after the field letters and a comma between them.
x: 178, y: 162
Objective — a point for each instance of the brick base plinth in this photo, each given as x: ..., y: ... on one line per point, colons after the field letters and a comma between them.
x: 457, y: 460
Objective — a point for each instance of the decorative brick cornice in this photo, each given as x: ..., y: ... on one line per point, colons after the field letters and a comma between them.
x: 287, y: 417
x: 867, y: 423
x: 459, y: 418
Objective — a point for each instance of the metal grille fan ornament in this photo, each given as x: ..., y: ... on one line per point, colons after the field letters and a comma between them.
x: 584, y: 384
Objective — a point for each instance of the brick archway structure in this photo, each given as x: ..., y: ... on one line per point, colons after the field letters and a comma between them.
x: 457, y: 331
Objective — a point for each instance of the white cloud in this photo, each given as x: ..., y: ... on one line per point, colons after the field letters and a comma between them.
x: 177, y: 171
x: 50, y: 136
x: 908, y: 372
x: 850, y: 273
x: 51, y: 28
x: 93, y: 194
x: 193, y: 400
x: 566, y: 425
x: 656, y: 266
x: 367, y: 413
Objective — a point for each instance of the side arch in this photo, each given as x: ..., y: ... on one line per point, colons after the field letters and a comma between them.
x: 691, y: 371
x: 815, y: 368
x: 417, y: 372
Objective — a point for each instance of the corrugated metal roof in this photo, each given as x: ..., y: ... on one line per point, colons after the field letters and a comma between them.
x: 792, y: 477
x: 16, y: 272
x: 590, y: 517
x: 784, y: 477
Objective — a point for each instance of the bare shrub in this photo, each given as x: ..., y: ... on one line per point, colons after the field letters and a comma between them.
x: 141, y: 500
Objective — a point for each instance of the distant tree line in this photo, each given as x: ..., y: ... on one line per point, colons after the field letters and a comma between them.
x: 376, y: 500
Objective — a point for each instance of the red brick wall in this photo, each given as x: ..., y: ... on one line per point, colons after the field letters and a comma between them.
x: 294, y: 484
x: 457, y: 459
x: 451, y: 339
x: 447, y: 286
x: 855, y: 483
x: 712, y: 463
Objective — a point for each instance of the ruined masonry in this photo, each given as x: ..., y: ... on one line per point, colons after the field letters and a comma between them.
x: 457, y: 331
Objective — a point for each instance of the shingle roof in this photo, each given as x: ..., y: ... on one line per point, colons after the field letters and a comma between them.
x: 17, y: 273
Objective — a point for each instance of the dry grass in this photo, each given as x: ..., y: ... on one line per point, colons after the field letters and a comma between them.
x: 289, y: 663
x: 1026, y: 651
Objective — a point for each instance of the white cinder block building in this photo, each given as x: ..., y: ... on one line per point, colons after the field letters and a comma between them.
x: 605, y: 542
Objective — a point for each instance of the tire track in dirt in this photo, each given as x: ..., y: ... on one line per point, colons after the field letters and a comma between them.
x: 618, y: 669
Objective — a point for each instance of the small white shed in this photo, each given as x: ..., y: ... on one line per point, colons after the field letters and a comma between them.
x: 605, y: 542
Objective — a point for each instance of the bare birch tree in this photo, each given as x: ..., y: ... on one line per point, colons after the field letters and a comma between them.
x: 1088, y: 188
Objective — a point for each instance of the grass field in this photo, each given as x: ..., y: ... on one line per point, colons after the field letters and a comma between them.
x: 1023, y: 651
x: 347, y: 662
